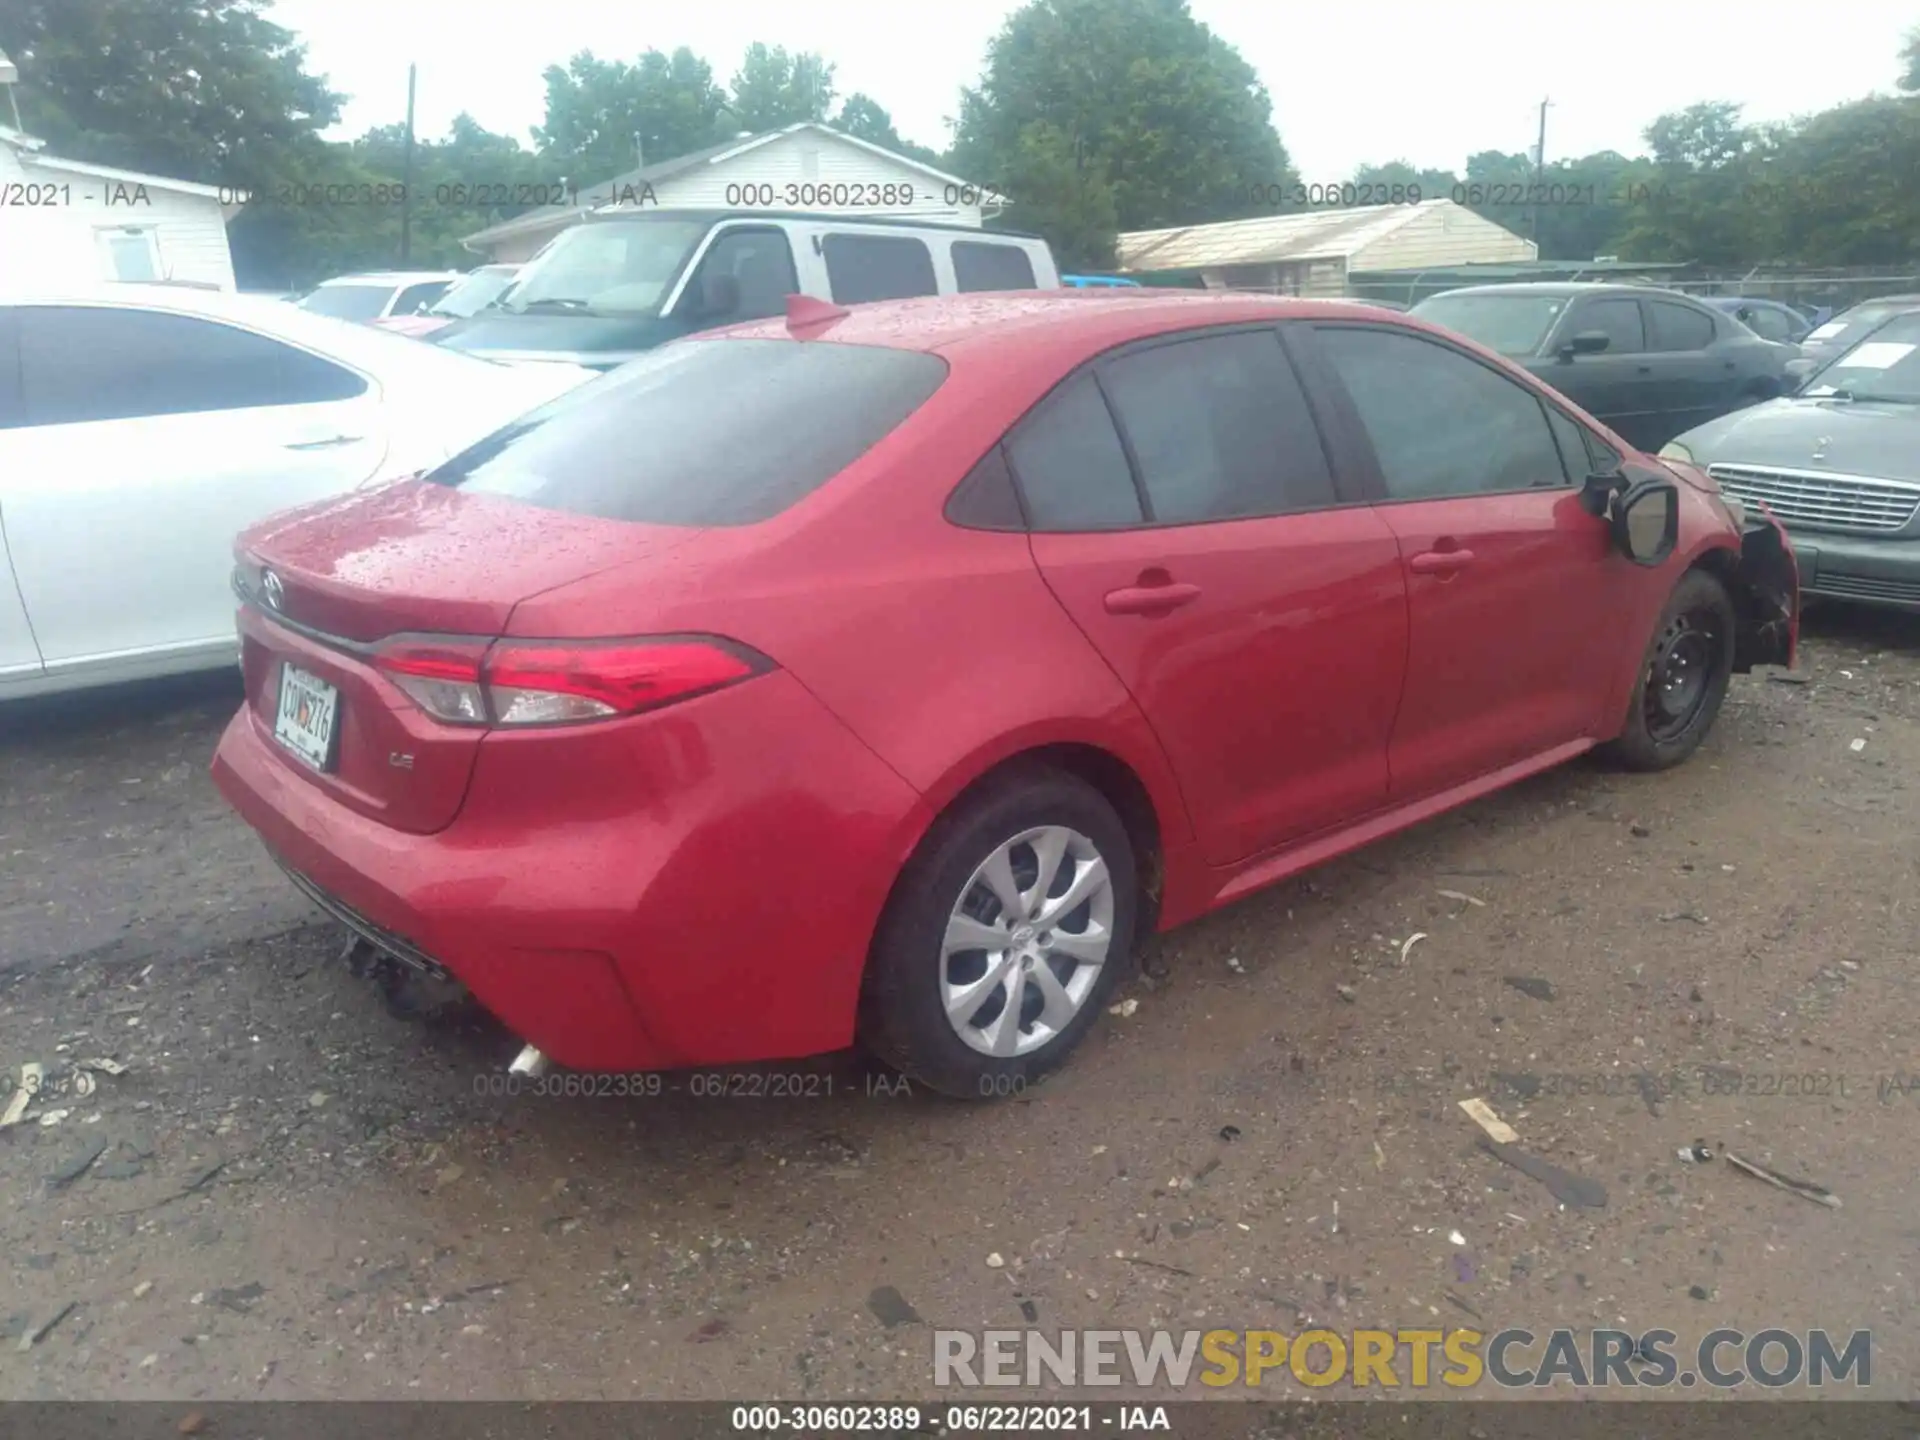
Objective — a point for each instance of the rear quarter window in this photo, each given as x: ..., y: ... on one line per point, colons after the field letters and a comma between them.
x: 980, y: 265
x: 703, y: 432
x: 878, y: 267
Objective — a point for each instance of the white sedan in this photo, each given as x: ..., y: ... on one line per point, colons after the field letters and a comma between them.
x: 143, y: 427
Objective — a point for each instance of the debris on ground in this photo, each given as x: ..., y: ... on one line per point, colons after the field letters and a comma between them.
x: 1857, y: 746
x: 1410, y: 942
x: 995, y: 1261
x: 1229, y: 1132
x: 1030, y: 1312
x: 1567, y: 1188
x: 1698, y: 1153
x: 1125, y: 1008
x: 712, y: 1330
x: 31, y: 1078
x: 1233, y: 964
x: 890, y: 1307
x: 102, y: 1064
x: 77, y: 1163
x: 1482, y: 1114
x: 1531, y: 985
x: 1346, y: 993
x: 1462, y: 896
x: 1805, y: 1189
x: 1789, y: 677
x: 34, y: 1334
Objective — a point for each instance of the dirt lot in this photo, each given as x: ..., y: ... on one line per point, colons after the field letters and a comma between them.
x: 295, y: 1193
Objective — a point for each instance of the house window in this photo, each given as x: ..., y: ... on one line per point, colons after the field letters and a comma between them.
x: 131, y: 252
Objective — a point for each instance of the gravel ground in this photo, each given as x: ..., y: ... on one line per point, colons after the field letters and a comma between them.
x: 294, y: 1191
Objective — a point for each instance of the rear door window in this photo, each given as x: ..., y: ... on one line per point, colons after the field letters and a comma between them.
x: 81, y: 363
x: 1220, y: 428
x: 1618, y: 319
x: 878, y: 267
x: 417, y: 297
x: 1677, y: 327
x: 732, y: 431
x: 978, y: 265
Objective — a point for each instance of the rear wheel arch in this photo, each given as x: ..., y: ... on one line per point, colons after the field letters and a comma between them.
x: 1117, y: 780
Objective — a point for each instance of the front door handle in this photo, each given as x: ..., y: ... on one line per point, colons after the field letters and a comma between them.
x: 1150, y: 599
x: 1645, y: 369
x: 326, y: 444
x: 1440, y: 562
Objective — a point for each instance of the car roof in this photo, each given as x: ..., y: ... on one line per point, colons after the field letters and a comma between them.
x: 1884, y: 300
x: 365, y: 346
x: 1067, y: 320
x: 878, y: 222
x: 391, y: 277
x: 1567, y: 288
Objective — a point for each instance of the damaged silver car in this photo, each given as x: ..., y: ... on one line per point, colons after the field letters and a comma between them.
x: 1838, y: 464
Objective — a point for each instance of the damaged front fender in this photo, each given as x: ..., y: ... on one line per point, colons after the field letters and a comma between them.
x: 1765, y: 585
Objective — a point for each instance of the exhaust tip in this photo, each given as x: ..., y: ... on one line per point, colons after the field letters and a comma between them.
x: 529, y: 1062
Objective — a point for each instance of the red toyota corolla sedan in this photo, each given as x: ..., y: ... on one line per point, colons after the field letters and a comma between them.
x: 886, y: 673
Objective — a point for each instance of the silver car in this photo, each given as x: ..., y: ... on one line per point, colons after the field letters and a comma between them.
x: 1838, y: 463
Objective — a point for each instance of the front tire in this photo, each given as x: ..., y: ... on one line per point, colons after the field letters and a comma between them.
x: 1683, y: 677
x: 1006, y: 932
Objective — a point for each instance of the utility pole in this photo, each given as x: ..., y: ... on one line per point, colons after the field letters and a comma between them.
x: 406, y: 179
x: 1539, y: 169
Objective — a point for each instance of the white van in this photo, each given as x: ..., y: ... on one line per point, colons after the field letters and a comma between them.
x: 627, y: 278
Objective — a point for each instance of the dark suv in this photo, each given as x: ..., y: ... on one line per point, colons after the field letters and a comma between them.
x: 1649, y: 363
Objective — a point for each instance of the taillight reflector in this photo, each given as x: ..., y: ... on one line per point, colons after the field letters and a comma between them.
x: 558, y: 682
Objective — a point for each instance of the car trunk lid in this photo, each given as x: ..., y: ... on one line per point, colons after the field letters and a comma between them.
x: 323, y: 587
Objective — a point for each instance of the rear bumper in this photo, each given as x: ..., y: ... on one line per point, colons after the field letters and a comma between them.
x: 661, y: 892
x: 1846, y: 567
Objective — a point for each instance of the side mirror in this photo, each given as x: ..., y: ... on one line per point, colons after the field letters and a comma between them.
x: 1646, y: 521
x: 1587, y: 342
x: 1800, y: 366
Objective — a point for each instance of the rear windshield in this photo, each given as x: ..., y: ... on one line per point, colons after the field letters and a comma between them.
x: 703, y: 432
x: 1506, y: 324
x: 349, y: 302
x: 1854, y: 323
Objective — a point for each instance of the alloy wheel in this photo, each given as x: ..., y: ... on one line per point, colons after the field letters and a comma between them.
x: 1026, y: 941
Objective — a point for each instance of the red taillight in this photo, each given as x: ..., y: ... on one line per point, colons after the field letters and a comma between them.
x: 557, y: 682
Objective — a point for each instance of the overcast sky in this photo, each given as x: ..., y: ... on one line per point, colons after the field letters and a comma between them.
x: 1353, y: 81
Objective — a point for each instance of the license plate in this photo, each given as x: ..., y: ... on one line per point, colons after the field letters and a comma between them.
x: 308, y: 709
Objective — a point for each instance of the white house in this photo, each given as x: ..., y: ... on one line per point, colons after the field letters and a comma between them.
x: 63, y: 221
x: 807, y: 166
x: 1318, y: 252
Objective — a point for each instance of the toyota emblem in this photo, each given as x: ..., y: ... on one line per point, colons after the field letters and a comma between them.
x: 273, y: 590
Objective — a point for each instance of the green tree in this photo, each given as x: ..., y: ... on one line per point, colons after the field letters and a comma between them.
x: 863, y: 117
x: 773, y: 88
x: 1058, y: 190
x: 1127, y: 104
x: 604, y: 117
x: 1910, y: 61
x: 1699, y: 198
x: 212, y: 92
x: 1826, y: 188
x: 1432, y: 184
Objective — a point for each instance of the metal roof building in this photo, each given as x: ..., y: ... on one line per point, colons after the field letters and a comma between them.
x: 1319, y: 252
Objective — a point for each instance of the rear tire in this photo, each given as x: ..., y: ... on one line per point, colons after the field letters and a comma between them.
x: 1683, y: 677
x: 981, y: 1021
